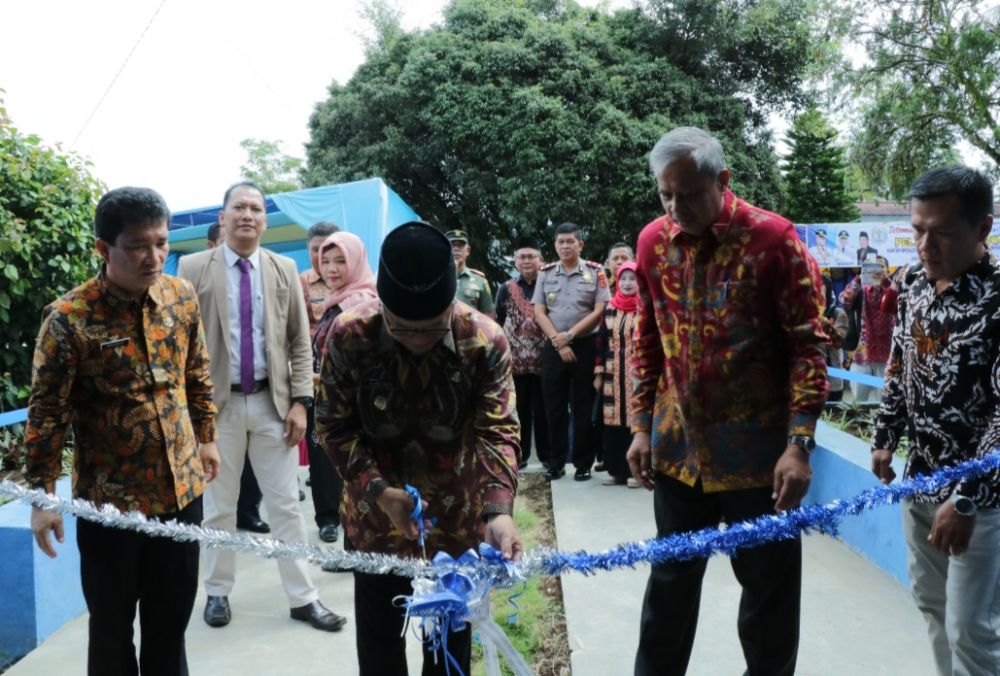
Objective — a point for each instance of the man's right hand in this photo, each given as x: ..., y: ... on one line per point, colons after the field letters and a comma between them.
x: 640, y: 460
x: 398, y: 505
x: 566, y: 354
x: 882, y: 465
x: 41, y: 523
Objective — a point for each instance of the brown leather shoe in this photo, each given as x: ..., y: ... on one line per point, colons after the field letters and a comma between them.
x: 319, y: 616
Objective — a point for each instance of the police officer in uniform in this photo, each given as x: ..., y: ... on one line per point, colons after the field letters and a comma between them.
x: 569, y: 301
x: 473, y: 288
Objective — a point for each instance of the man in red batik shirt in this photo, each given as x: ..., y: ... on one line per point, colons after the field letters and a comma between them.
x: 730, y: 378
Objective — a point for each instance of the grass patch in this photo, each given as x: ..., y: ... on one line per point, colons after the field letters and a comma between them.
x: 539, y: 633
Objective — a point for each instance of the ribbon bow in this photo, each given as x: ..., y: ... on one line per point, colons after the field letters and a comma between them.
x: 458, y: 593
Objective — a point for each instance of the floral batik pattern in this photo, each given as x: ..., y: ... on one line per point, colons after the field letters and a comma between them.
x: 131, y: 377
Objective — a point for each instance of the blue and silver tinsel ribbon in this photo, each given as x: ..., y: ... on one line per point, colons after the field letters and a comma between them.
x: 539, y: 561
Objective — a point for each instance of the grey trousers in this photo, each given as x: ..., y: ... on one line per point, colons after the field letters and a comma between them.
x: 959, y: 596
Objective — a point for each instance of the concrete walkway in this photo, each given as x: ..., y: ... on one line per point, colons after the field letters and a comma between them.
x: 856, y: 620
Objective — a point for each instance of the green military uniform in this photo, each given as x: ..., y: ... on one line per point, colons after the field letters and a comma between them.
x: 474, y: 290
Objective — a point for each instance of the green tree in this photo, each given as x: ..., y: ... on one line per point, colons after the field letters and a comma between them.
x: 514, y: 112
x: 932, y: 79
x: 47, y: 200
x: 815, y: 173
x: 269, y: 167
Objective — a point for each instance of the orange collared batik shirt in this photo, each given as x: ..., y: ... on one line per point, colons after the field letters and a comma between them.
x: 132, y: 378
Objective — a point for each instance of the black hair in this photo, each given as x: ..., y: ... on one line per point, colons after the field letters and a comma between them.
x: 242, y: 184
x: 213, y: 232
x: 973, y: 189
x: 127, y: 206
x: 568, y: 229
x: 321, y: 229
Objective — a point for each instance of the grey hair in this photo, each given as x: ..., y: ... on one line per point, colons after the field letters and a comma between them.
x: 678, y: 143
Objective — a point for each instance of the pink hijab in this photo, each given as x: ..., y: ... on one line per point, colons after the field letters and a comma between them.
x: 360, y: 285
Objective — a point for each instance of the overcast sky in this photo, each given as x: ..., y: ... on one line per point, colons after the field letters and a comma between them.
x: 205, y: 75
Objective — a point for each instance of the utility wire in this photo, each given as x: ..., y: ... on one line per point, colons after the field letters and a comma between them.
x: 115, y: 78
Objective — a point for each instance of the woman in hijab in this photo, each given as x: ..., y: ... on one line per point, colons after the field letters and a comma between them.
x: 611, y: 374
x: 343, y: 264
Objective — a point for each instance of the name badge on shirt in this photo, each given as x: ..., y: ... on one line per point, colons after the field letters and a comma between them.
x: 115, y: 343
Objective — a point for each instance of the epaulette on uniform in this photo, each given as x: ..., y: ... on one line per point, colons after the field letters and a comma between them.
x: 477, y: 272
x: 592, y: 264
x: 549, y: 266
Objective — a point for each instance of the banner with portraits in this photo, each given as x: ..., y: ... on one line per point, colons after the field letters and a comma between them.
x: 849, y: 245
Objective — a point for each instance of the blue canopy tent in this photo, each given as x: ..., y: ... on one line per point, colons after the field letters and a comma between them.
x: 368, y: 209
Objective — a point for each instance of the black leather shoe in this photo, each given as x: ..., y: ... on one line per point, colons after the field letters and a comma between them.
x: 329, y: 533
x: 217, y: 613
x: 254, y: 525
x: 582, y: 475
x: 553, y: 474
x: 319, y: 616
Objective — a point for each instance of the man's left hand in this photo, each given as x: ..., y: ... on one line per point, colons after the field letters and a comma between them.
x: 295, y: 424
x: 791, y: 478
x: 502, y: 534
x: 951, y: 532
x: 210, y: 460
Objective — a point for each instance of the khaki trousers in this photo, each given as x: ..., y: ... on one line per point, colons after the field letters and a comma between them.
x: 249, y: 424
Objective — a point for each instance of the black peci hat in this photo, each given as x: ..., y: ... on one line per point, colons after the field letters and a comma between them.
x: 527, y: 242
x: 416, y: 272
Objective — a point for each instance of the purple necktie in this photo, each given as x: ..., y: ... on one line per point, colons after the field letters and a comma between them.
x: 246, y: 328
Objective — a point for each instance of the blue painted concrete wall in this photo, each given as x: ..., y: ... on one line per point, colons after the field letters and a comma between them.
x: 39, y: 595
x: 841, y: 467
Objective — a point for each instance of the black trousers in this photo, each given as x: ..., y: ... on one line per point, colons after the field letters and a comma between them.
x: 531, y: 413
x: 570, y: 385
x: 248, y: 504
x: 771, y: 577
x: 120, y: 569
x: 324, y: 479
x: 380, y: 641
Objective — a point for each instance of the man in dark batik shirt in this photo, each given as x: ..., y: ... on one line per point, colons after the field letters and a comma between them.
x: 417, y: 390
x: 943, y: 378
x: 516, y: 315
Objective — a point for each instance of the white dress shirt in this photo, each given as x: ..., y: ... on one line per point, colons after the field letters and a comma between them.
x: 233, y: 276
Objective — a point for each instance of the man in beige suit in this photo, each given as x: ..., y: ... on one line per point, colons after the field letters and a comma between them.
x: 261, y: 364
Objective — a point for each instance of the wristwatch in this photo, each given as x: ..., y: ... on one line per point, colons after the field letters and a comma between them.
x: 305, y: 401
x: 571, y: 336
x: 804, y: 442
x: 964, y: 505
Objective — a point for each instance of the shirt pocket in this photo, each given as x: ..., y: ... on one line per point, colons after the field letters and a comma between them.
x: 377, y: 401
x: 115, y: 367
x: 734, y: 303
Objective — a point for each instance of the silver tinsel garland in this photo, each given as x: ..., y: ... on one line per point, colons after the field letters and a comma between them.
x: 725, y: 539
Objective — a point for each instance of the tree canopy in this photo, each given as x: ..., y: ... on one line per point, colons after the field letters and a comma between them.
x: 932, y: 79
x: 512, y: 113
x: 815, y: 173
x: 47, y: 200
x: 269, y: 167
